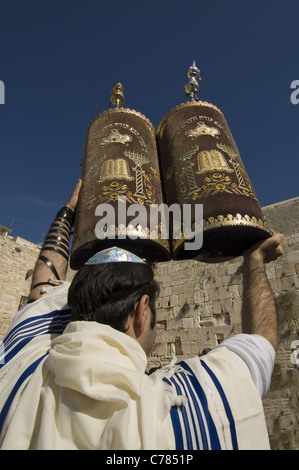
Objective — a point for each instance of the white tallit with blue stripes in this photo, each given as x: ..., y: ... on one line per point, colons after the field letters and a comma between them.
x: 83, y: 385
x: 222, y: 408
x: 26, y: 345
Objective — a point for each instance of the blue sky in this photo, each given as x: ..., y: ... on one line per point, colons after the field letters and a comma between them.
x: 60, y: 59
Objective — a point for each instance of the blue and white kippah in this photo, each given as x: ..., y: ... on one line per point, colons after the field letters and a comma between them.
x: 114, y: 255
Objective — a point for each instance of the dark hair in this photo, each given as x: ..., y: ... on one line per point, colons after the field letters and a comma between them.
x: 107, y: 293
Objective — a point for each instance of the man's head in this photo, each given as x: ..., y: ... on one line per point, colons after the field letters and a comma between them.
x: 120, y: 294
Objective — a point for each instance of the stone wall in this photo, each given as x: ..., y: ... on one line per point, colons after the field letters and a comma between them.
x: 17, y: 261
x: 282, y: 403
x: 199, y: 305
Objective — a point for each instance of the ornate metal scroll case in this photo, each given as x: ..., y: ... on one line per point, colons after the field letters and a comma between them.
x: 201, y: 164
x: 120, y: 169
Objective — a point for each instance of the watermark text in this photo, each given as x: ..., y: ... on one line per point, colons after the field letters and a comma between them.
x: 295, y: 94
x: 2, y: 92
x: 295, y: 353
x: 155, y: 221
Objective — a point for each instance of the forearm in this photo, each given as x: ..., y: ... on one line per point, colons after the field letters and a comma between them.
x: 258, y: 310
x: 52, y: 263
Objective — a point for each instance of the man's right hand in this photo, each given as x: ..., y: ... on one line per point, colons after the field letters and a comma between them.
x: 266, y: 250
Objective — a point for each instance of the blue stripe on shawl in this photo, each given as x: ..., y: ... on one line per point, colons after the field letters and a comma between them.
x: 187, y: 427
x: 21, y: 334
x: 29, y: 371
x: 200, y: 397
x: 177, y: 429
x: 225, y: 404
x: 189, y: 386
x: 56, y: 315
x: 198, y: 416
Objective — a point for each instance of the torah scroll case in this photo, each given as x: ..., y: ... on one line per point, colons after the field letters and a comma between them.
x: 200, y: 164
x: 120, y: 168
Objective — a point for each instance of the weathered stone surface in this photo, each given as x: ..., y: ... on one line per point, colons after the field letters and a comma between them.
x: 17, y: 261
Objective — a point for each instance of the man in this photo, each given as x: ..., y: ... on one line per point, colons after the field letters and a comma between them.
x: 76, y: 379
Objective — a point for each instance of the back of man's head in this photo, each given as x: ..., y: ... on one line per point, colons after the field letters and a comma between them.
x: 107, y: 293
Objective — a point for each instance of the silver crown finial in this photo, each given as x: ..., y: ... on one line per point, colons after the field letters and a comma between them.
x: 192, y: 86
x: 117, y: 97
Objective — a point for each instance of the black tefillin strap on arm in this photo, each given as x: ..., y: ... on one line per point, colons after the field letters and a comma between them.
x: 57, y: 240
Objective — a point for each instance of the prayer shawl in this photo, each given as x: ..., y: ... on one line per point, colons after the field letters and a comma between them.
x: 87, y: 389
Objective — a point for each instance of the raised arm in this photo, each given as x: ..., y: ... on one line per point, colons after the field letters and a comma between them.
x: 258, y: 309
x: 53, y: 260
